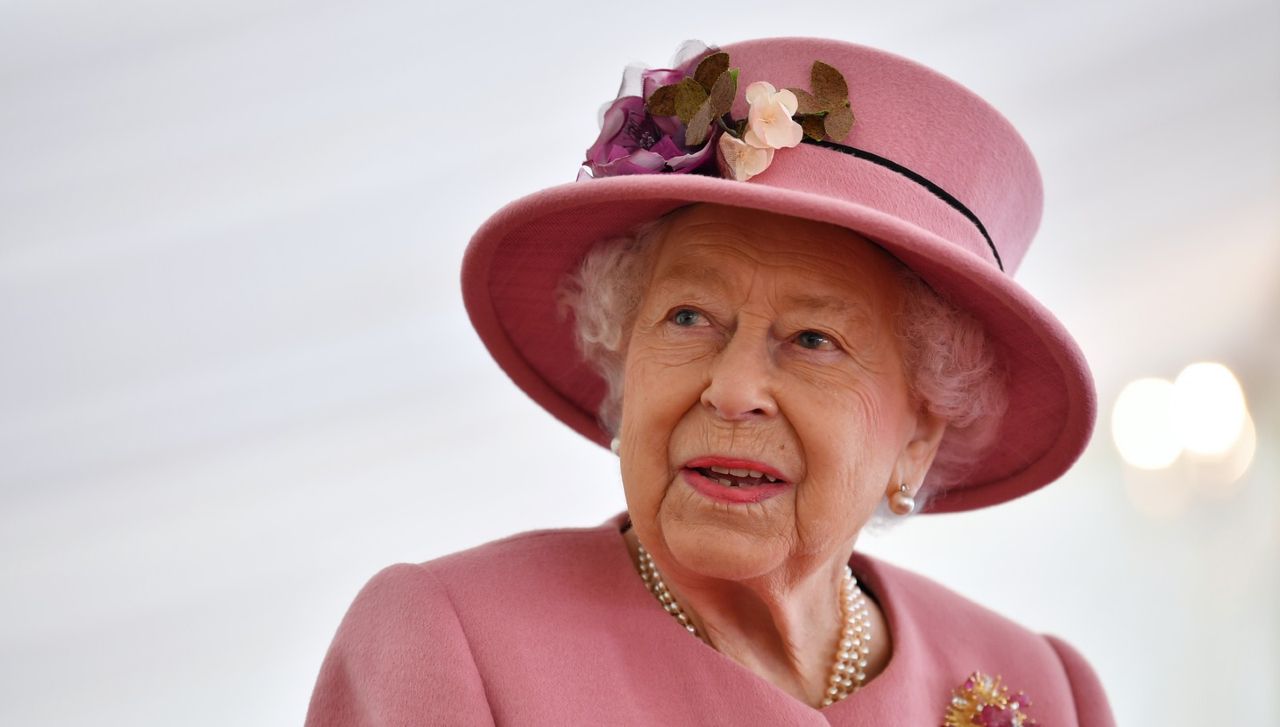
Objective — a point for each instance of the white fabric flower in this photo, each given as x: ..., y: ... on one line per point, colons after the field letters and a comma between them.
x: 743, y: 160
x: 769, y: 122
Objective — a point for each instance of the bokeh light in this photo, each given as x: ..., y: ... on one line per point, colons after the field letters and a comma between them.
x: 1202, y: 414
x: 1208, y: 409
x: 1142, y: 424
x: 1220, y: 475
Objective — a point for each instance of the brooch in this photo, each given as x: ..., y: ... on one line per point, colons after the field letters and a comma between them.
x: 983, y: 702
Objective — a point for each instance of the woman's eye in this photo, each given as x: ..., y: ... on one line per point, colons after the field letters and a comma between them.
x: 813, y: 340
x: 686, y: 317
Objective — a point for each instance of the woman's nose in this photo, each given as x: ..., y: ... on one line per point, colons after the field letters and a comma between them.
x: 740, y: 386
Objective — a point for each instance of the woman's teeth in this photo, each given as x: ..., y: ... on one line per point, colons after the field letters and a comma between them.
x: 758, y: 477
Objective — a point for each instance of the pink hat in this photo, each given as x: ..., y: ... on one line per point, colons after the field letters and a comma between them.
x: 929, y: 171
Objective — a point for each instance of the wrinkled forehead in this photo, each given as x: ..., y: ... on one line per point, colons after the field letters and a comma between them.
x: 714, y: 244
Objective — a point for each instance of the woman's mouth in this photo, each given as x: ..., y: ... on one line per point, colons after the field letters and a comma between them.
x: 733, y: 481
x: 736, y: 477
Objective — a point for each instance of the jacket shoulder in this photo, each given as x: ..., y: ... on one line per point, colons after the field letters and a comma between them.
x: 413, y: 641
x: 550, y: 551
x: 400, y: 646
x: 956, y: 636
x: 1090, y: 698
x: 565, y: 579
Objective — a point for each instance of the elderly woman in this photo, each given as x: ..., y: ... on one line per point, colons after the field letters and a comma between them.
x: 781, y: 290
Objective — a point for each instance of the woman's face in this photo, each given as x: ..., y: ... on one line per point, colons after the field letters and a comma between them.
x: 764, y: 350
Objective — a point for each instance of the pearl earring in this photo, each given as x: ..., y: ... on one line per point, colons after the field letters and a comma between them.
x: 615, y: 444
x: 900, y: 502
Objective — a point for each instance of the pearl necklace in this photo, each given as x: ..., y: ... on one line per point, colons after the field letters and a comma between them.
x: 849, y: 671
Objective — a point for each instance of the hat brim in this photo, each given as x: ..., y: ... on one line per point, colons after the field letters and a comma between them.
x: 518, y: 258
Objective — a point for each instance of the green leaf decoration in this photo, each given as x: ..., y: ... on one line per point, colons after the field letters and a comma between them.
x: 809, y: 103
x: 722, y: 93
x: 824, y: 113
x: 838, y: 123
x: 710, y: 69
x: 699, y: 126
x: 828, y: 85
x: 689, y: 97
x: 662, y: 102
x: 813, y: 127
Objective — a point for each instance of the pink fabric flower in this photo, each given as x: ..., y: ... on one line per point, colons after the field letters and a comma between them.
x: 769, y: 122
x: 742, y: 160
x: 769, y: 128
x: 632, y: 141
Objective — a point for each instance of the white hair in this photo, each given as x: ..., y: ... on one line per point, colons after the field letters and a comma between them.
x: 951, y: 367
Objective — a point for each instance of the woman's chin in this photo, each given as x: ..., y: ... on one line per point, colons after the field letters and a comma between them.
x: 714, y: 551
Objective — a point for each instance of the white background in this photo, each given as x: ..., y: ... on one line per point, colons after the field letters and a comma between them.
x: 237, y: 379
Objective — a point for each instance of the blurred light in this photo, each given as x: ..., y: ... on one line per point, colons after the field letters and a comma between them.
x: 1219, y: 475
x: 1142, y: 424
x: 1208, y: 409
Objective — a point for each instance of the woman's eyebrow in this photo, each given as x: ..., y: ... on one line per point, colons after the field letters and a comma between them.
x: 815, y: 301
x: 853, y: 307
x: 852, y: 310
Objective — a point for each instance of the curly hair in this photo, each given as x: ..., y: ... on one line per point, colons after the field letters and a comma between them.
x: 951, y: 366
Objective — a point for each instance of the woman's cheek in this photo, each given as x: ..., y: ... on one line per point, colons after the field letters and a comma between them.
x: 682, y: 348
x: 842, y: 427
x: 665, y: 378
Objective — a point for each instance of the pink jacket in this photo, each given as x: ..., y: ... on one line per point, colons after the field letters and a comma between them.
x: 556, y: 628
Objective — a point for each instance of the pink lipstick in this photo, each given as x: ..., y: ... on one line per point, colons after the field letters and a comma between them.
x: 732, y: 480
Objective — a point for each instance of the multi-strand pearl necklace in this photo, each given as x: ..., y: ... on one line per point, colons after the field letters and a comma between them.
x: 849, y: 671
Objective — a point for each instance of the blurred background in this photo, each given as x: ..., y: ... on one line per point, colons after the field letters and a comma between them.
x: 237, y: 378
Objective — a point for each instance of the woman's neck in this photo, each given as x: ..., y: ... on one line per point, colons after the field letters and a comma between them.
x: 782, y: 627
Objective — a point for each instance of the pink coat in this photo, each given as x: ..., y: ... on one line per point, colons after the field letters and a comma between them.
x: 556, y: 628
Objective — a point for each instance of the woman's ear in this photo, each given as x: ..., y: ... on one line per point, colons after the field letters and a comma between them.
x: 921, y: 447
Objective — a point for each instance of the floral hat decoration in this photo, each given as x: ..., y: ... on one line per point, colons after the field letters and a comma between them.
x: 822, y: 130
x: 680, y: 119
